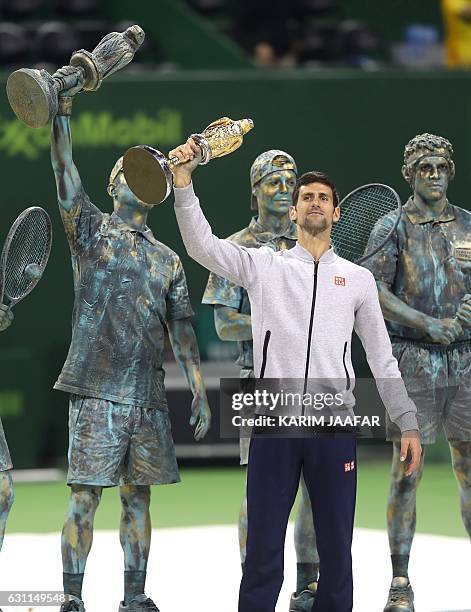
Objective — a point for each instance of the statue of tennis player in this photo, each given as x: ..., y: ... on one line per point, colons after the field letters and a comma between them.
x: 128, y: 287
x: 6, y: 483
x: 424, y: 280
x: 272, y: 180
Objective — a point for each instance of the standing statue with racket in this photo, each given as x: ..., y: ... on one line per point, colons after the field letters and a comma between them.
x: 24, y: 258
x: 128, y: 288
x: 423, y: 273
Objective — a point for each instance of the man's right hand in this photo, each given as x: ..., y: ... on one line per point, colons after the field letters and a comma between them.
x: 411, y: 449
x: 189, y: 155
x: 73, y: 78
x: 444, y: 331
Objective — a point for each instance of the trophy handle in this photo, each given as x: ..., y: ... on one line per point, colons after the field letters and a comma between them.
x: 203, y: 144
x: 62, y: 82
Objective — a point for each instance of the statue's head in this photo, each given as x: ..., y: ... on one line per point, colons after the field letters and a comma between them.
x: 428, y: 166
x: 119, y: 190
x: 273, y: 178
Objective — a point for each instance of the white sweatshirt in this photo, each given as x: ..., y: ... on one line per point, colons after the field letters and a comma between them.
x: 303, y: 311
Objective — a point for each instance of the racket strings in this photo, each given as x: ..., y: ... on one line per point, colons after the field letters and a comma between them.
x: 360, y: 212
x: 28, y: 245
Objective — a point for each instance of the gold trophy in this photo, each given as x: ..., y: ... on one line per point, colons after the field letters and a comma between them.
x: 147, y: 171
x: 33, y: 94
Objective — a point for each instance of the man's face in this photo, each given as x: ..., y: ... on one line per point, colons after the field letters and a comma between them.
x: 432, y: 175
x: 274, y: 192
x: 314, y: 211
x: 124, y: 195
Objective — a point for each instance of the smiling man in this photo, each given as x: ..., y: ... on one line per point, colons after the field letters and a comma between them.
x: 302, y: 323
x: 272, y: 180
x: 424, y: 280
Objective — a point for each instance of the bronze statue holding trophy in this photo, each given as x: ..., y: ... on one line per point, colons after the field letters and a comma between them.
x: 33, y: 94
x: 147, y: 170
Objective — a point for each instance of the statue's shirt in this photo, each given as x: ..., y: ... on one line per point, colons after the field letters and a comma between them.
x: 127, y: 285
x: 220, y: 291
x: 426, y: 263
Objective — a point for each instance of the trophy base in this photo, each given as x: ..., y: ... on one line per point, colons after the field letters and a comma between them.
x: 86, y: 60
x: 32, y: 96
x: 147, y: 173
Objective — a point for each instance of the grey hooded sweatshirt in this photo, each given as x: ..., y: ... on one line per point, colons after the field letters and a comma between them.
x: 303, y: 311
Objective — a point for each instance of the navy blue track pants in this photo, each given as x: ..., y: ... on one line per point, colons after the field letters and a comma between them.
x: 274, y: 469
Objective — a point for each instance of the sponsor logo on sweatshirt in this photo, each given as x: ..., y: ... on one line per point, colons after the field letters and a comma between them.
x: 339, y: 280
x: 349, y: 466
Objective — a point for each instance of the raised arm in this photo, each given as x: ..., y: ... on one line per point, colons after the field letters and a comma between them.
x: 66, y: 174
x: 234, y: 262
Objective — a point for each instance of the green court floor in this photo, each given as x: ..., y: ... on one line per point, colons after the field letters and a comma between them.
x: 212, y: 496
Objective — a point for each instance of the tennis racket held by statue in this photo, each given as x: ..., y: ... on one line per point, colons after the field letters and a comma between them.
x: 25, y: 255
x: 369, y: 216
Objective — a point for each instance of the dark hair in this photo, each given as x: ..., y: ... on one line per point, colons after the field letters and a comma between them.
x: 315, y: 177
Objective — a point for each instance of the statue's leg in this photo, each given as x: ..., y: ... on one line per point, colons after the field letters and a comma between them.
x: 305, y: 543
x: 401, y: 512
x: 135, y: 536
x: 149, y: 460
x: 401, y: 530
x: 461, y: 459
x: 457, y: 425
x: 77, y: 536
x: 425, y: 377
x: 243, y: 527
x: 6, y: 483
x: 94, y: 458
x: 6, y: 501
x: 244, y: 455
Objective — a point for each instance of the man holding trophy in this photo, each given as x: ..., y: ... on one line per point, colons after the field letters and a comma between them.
x: 272, y: 180
x: 296, y: 306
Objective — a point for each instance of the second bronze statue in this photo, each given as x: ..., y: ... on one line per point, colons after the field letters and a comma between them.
x: 33, y: 94
x: 147, y: 170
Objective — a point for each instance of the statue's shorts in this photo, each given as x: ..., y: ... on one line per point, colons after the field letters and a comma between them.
x: 438, y: 380
x: 5, y: 460
x: 244, y: 443
x: 117, y: 444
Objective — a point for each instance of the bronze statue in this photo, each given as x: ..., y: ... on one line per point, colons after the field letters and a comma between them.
x: 424, y: 280
x: 129, y: 288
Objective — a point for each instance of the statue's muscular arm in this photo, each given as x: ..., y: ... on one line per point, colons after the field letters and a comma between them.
x: 231, y: 324
x: 68, y: 180
x: 67, y: 177
x: 443, y: 331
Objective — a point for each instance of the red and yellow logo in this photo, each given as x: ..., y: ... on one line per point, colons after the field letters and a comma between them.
x: 349, y: 466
